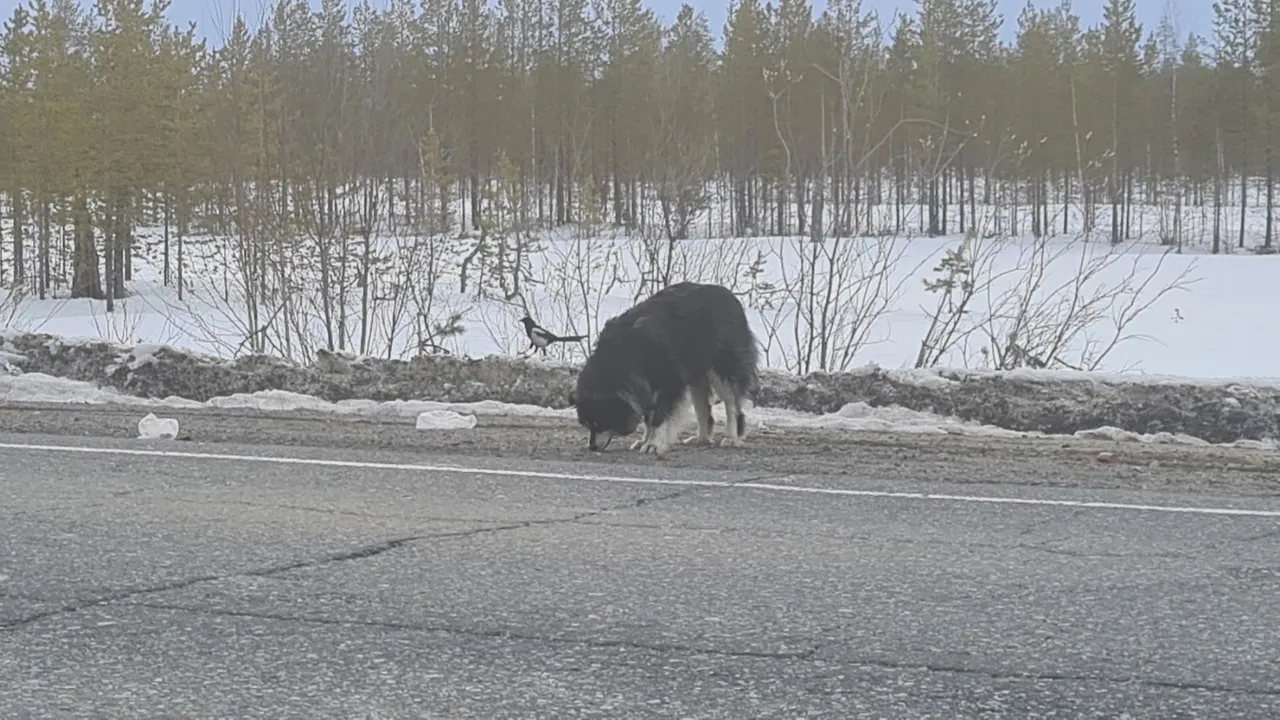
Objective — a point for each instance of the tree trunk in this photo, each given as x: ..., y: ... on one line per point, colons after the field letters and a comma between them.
x: 43, y: 248
x: 120, y: 244
x: 86, y: 280
x: 168, y: 214
x: 19, y: 238
x: 1271, y: 184
x: 109, y: 250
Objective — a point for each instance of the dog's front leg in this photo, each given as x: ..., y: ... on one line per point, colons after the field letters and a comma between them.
x: 700, y: 396
x: 661, y: 431
x: 660, y: 439
x: 643, y: 443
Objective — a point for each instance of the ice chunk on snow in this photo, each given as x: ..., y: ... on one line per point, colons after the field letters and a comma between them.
x: 444, y: 420
x: 154, y: 428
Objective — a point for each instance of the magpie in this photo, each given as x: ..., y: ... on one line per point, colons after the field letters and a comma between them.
x: 540, y: 337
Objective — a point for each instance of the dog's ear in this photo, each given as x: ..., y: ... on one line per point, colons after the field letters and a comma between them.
x: 573, y: 398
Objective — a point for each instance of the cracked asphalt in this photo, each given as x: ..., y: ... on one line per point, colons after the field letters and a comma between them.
x: 298, y: 566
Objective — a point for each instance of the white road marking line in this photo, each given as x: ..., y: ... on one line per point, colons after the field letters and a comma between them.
x: 996, y: 500
x: 768, y: 487
x: 358, y: 464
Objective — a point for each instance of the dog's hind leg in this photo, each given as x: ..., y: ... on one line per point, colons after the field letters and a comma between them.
x: 734, y: 421
x: 700, y: 396
x: 734, y: 418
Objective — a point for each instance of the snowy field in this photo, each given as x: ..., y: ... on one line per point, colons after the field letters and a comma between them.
x: 1069, y: 301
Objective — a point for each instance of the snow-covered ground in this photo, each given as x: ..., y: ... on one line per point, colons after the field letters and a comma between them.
x: 1139, y: 309
x: 1172, y: 315
x: 1212, y: 323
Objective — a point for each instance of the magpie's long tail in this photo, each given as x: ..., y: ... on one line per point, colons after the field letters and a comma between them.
x: 570, y: 338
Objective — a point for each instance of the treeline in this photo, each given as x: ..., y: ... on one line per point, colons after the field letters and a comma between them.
x: 437, y: 114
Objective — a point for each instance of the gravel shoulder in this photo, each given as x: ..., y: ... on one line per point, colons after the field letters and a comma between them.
x: 861, y: 459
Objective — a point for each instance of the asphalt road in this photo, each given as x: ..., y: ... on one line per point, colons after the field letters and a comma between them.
x: 303, y: 566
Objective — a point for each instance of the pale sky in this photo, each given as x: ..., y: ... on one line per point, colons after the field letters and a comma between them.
x: 212, y: 16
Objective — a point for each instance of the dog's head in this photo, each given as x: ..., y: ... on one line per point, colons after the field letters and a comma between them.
x: 605, y: 416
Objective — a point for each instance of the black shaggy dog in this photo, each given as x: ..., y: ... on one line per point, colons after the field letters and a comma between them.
x: 679, y: 345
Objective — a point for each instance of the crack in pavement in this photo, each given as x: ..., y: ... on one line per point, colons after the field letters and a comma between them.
x: 493, y: 634
x: 806, y: 655
x: 1088, y: 555
x: 104, y: 599
x: 361, y: 553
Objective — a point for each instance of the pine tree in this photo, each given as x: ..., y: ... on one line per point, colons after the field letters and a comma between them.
x: 1121, y: 65
x: 1236, y: 38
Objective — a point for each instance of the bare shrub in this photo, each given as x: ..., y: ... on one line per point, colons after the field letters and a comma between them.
x: 501, y: 323
x: 961, y: 274
x: 414, y: 312
x: 12, y: 299
x: 726, y: 262
x: 260, y: 301
x: 269, y: 298
x: 326, y: 249
x: 656, y: 259
x: 1047, y: 321
x: 829, y: 299
x: 265, y: 302
x: 121, y: 325
x: 578, y: 277
x: 423, y: 264
x: 661, y: 261
x: 768, y: 299
x: 1058, y: 304
x: 330, y: 277
x: 16, y: 309
x: 216, y: 317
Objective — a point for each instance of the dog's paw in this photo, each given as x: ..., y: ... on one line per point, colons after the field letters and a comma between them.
x: 731, y: 441
x: 699, y: 440
x: 657, y: 447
